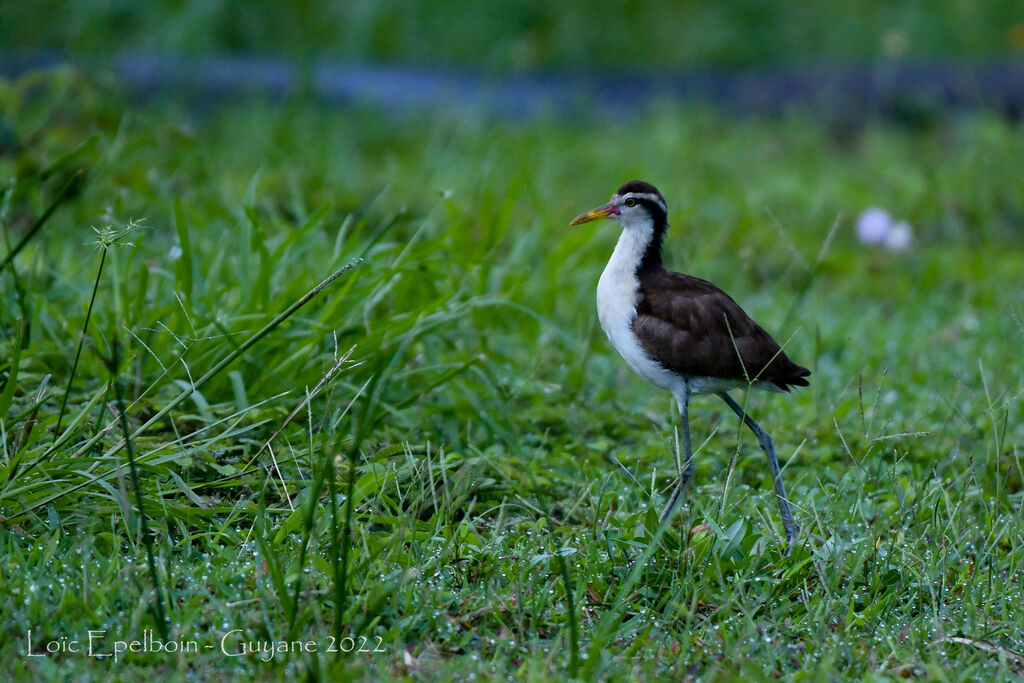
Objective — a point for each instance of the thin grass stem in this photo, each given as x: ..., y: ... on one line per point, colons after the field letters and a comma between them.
x: 81, y: 342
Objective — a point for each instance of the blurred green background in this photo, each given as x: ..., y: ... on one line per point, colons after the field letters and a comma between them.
x: 500, y: 431
x: 535, y: 34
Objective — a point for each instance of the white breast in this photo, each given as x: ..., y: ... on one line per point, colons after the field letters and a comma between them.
x: 618, y: 292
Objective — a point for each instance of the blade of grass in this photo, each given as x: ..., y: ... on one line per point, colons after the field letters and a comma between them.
x: 574, y: 633
x: 7, y: 396
x: 339, y: 593
x: 81, y: 341
x: 171, y: 405
x: 147, y: 539
x: 62, y: 194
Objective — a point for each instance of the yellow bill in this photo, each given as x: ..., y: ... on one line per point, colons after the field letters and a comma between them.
x: 594, y: 214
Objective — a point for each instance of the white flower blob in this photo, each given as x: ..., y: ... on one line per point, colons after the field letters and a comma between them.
x: 873, y: 225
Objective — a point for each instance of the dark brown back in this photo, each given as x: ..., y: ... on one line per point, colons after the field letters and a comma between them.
x: 696, y: 329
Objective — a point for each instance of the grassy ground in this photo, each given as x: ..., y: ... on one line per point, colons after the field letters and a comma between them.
x: 439, y: 456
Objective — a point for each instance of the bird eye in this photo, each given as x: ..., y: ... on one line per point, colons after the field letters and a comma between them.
x: 630, y: 202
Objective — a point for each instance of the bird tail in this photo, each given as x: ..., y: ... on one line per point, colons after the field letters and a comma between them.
x: 796, y: 379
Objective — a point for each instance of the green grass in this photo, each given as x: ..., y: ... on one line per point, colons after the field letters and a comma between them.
x: 528, y: 34
x: 441, y: 453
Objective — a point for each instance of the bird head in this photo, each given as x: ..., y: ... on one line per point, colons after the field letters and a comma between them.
x: 637, y: 203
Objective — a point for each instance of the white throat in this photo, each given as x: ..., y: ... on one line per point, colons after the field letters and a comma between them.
x: 619, y: 285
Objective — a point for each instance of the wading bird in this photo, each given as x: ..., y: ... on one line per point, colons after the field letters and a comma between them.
x: 682, y: 333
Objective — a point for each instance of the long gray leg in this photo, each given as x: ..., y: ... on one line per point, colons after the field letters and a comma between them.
x: 684, y: 472
x: 769, y: 449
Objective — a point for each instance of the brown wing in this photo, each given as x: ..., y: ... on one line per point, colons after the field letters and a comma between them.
x: 696, y: 329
